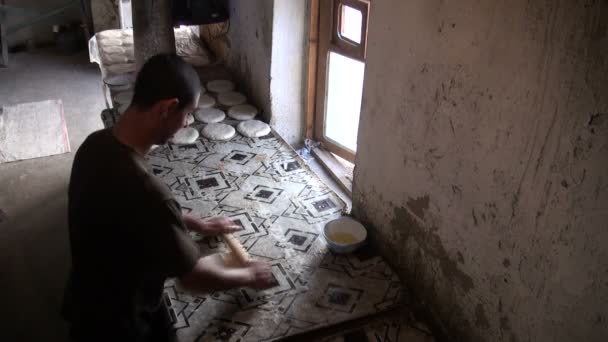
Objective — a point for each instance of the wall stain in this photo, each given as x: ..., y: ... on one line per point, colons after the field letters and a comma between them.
x: 474, y: 217
x: 481, y: 320
x: 460, y: 257
x: 419, y: 205
x: 429, y: 243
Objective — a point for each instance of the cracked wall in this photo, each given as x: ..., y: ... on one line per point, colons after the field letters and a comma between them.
x: 490, y: 195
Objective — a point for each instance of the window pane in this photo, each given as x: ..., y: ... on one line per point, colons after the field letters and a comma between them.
x: 350, y: 23
x: 344, y: 91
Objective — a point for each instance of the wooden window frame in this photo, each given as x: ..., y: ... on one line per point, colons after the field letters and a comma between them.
x: 324, y: 38
x: 343, y: 45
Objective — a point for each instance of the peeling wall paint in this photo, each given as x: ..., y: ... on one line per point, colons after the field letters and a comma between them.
x: 490, y: 195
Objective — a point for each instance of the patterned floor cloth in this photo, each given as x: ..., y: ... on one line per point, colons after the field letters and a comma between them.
x: 395, y: 326
x: 265, y: 187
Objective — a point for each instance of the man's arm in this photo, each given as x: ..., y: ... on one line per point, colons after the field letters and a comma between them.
x: 211, y: 227
x: 209, y: 274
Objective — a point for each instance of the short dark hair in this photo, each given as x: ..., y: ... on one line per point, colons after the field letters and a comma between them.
x: 166, y: 76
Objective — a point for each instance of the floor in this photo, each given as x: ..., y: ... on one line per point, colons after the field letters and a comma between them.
x: 34, y: 249
x: 34, y: 252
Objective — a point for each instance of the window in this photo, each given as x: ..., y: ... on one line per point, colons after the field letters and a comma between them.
x: 350, y: 23
x: 340, y: 67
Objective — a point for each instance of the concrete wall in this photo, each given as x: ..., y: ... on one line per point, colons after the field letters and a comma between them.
x: 482, y: 166
x: 289, y: 52
x: 41, y: 32
x: 266, y: 50
x: 249, y: 49
x: 106, y: 15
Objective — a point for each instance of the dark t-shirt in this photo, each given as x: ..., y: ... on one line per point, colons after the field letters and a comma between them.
x: 126, y: 237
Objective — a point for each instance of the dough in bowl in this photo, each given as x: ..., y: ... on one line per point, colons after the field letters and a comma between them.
x: 185, y: 136
x: 231, y: 98
x: 209, y: 115
x: 253, y: 128
x: 218, y: 131
x: 243, y: 112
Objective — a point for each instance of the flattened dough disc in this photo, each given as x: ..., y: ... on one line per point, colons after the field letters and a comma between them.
x: 206, y: 101
x: 253, y: 128
x: 243, y: 112
x: 189, y: 120
x: 185, y: 136
x: 209, y: 115
x: 218, y: 131
x: 220, y: 86
x: 231, y: 98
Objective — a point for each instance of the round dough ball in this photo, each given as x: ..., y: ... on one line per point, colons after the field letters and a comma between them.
x: 124, y: 97
x: 105, y: 42
x: 122, y: 68
x: 111, y: 58
x: 206, y: 101
x: 189, y: 120
x: 253, y: 128
x: 116, y: 50
x: 185, y: 136
x: 218, y: 131
x: 122, y: 79
x: 243, y: 112
x: 128, y: 41
x: 231, y: 98
x: 220, y: 86
x: 109, y: 34
x: 209, y: 115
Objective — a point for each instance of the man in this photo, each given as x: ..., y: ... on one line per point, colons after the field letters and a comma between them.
x: 127, y: 233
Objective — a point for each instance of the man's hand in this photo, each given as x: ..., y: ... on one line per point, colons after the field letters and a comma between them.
x: 261, y: 275
x: 211, y: 274
x: 211, y: 227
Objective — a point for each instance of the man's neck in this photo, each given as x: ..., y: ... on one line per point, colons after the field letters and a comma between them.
x: 131, y: 131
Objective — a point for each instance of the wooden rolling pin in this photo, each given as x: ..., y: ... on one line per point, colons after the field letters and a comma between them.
x: 239, y: 253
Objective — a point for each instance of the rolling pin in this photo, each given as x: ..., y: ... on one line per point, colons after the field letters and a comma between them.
x: 239, y: 253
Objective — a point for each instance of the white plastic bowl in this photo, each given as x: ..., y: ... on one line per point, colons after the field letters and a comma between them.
x: 344, y: 235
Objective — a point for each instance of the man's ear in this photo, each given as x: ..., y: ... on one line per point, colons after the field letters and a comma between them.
x: 167, y: 106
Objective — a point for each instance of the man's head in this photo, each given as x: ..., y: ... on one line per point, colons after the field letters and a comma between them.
x: 167, y: 89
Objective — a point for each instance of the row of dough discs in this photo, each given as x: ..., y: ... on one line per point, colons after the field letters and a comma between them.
x: 208, y: 114
x: 238, y: 109
x: 221, y: 131
x: 226, y: 97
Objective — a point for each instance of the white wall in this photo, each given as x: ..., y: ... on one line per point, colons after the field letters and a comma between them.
x: 249, y: 49
x: 266, y: 51
x: 289, y: 60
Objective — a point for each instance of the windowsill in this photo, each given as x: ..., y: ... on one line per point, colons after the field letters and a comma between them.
x: 340, y: 171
